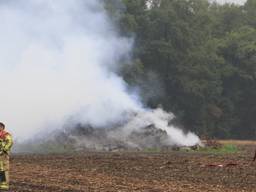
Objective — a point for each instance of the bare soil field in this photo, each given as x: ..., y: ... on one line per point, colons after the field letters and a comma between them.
x: 135, y: 171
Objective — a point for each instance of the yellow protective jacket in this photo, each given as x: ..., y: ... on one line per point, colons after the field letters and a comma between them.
x: 5, y: 147
x: 6, y: 142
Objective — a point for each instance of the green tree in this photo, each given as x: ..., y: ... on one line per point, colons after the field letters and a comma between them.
x: 199, y: 56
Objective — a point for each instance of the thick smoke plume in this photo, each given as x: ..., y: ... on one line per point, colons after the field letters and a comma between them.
x: 58, y: 60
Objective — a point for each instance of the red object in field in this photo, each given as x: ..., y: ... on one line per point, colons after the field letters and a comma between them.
x: 215, y: 165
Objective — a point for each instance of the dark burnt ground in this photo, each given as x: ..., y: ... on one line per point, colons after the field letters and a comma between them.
x: 149, y: 172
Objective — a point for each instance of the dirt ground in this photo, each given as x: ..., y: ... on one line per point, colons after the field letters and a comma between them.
x: 134, y: 171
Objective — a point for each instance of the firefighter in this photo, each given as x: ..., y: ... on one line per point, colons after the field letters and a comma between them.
x: 5, y: 147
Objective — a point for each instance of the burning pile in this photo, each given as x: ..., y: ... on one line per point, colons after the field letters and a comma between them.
x: 143, y: 130
x: 149, y: 129
x: 113, y: 139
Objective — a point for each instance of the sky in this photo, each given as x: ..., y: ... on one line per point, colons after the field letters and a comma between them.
x: 231, y: 1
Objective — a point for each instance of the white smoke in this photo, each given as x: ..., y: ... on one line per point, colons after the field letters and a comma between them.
x: 58, y: 59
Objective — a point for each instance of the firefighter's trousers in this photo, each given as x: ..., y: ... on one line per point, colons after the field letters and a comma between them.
x: 4, y: 171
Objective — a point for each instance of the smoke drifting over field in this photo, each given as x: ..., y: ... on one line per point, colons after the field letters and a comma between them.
x: 57, y: 64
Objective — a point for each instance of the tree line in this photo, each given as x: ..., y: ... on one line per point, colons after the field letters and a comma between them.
x: 195, y: 58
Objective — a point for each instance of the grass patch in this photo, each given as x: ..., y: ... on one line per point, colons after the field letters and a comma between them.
x: 152, y: 150
x: 224, y: 149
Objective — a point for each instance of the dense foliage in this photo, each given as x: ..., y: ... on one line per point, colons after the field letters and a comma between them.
x: 197, y: 59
